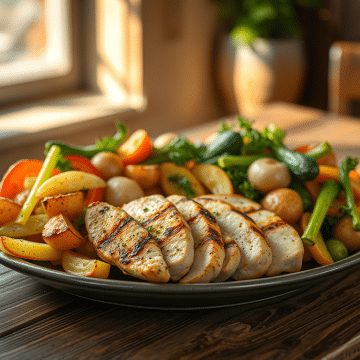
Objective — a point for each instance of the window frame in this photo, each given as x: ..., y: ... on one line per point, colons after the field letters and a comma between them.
x: 93, y: 96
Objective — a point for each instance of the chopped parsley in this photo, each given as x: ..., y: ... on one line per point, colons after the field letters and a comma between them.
x: 184, y: 184
x: 238, y: 177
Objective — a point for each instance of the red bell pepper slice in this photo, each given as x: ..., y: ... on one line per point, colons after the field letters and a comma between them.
x: 137, y: 148
x: 81, y: 163
x: 12, y: 182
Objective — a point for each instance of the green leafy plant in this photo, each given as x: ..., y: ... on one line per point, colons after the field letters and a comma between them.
x: 251, y: 19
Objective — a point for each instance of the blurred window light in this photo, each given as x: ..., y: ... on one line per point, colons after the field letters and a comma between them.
x: 34, y: 40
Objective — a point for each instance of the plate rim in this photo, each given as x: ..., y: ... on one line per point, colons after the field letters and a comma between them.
x: 301, y: 278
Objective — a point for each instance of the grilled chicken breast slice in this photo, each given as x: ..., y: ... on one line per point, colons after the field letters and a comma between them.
x: 209, y: 248
x: 164, y: 222
x: 232, y: 258
x: 121, y: 241
x: 255, y: 252
x: 286, y: 244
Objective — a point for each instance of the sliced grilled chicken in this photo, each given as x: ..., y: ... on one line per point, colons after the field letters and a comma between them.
x: 255, y: 251
x: 164, y: 222
x: 209, y: 248
x: 121, y: 241
x: 232, y: 258
x: 286, y: 244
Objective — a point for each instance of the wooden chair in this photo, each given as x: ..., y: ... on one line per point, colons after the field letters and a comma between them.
x: 344, y: 76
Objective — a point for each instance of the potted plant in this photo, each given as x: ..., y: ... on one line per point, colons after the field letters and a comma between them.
x: 261, y: 56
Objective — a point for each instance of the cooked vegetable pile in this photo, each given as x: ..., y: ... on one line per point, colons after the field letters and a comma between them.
x: 43, y: 203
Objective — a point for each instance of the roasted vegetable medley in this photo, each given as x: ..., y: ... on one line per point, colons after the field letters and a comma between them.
x: 61, y: 211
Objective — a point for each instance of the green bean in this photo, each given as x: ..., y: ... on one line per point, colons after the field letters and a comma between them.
x: 337, y: 249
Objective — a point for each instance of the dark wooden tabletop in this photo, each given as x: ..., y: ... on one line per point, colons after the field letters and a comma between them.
x: 39, y: 322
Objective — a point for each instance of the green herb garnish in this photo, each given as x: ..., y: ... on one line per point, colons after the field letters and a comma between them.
x: 108, y: 143
x: 179, y: 151
x: 184, y: 184
x: 238, y: 177
x: 224, y: 127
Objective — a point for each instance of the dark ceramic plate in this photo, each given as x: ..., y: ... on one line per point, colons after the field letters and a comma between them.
x: 121, y: 290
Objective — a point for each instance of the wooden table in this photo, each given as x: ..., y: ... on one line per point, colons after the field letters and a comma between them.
x: 38, y: 322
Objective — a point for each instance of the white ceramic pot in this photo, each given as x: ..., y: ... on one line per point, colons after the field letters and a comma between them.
x: 269, y: 70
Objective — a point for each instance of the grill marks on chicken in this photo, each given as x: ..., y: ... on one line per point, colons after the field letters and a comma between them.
x: 207, y: 239
x: 164, y: 222
x: 209, y: 248
x: 121, y: 241
x: 255, y: 252
x: 286, y: 244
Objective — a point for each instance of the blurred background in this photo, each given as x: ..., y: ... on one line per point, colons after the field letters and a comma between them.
x: 70, y: 67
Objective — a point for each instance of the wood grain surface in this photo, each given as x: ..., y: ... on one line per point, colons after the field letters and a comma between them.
x: 37, y: 322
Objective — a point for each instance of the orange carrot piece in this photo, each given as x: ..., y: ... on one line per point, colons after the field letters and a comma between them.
x: 331, y: 172
x: 319, y: 251
x: 303, y: 148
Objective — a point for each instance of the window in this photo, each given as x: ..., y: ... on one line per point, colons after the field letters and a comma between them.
x: 66, y: 62
x: 35, y: 45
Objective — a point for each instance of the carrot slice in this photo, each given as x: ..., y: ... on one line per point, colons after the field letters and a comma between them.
x: 81, y: 163
x: 328, y: 159
x: 313, y: 187
x: 319, y: 251
x: 136, y: 149
x: 12, y: 182
x: 331, y: 172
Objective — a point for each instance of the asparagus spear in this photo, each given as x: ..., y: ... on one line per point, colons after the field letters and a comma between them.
x: 329, y: 191
x: 45, y: 172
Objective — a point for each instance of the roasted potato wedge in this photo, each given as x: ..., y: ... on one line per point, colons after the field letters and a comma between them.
x: 214, y: 178
x: 30, y: 250
x: 9, y: 210
x: 33, y: 226
x: 78, y: 264
x: 69, y: 181
x: 60, y: 233
x: 71, y: 205
x: 171, y: 175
